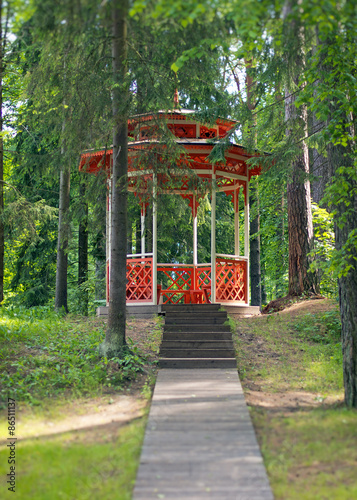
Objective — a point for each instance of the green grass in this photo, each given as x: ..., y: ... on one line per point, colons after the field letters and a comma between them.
x: 45, y: 355
x: 309, y: 451
x: 311, y: 455
x: 49, y: 365
x: 78, y: 466
x: 300, y: 354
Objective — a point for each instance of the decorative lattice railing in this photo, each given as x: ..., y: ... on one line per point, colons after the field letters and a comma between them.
x: 203, y: 280
x: 179, y: 283
x: 231, y: 280
x: 176, y: 281
x: 139, y: 275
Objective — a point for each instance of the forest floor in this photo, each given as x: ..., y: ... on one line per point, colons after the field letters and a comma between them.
x: 290, y: 366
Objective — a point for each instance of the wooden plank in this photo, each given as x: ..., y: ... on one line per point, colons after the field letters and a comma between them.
x: 199, y: 442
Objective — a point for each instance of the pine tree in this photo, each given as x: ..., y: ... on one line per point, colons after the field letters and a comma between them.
x: 115, y: 342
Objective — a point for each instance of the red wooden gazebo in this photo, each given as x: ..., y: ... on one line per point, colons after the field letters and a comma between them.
x: 191, y: 175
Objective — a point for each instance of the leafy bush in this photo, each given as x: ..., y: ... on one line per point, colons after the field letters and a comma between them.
x: 324, y: 250
x: 324, y: 328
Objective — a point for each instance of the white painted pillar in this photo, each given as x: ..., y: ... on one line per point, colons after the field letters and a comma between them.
x: 154, y: 238
x: 194, y: 234
x: 213, y: 239
x: 142, y: 227
x: 195, y: 260
x: 246, y: 237
x: 246, y: 225
x: 236, y: 223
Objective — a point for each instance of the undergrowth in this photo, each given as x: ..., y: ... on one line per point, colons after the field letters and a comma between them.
x: 324, y: 327
x: 44, y: 354
x: 303, y: 353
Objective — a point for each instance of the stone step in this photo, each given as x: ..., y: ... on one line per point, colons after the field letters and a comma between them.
x: 189, y: 363
x: 197, y: 336
x: 196, y: 353
x: 191, y: 308
x: 197, y: 344
x: 173, y: 328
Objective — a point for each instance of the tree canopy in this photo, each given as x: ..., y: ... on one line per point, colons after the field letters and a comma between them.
x: 285, y: 70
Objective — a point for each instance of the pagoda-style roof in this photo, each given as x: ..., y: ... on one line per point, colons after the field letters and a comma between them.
x: 148, y: 134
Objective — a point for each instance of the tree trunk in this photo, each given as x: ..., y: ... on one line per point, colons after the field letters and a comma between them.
x: 300, y: 229
x: 255, y: 271
x: 254, y: 248
x: 62, y: 242
x: 339, y: 156
x: 114, y: 343
x: 318, y: 168
x: 341, y: 173
x: 263, y: 288
x: 99, y: 287
x: 83, y: 252
x: 2, y: 239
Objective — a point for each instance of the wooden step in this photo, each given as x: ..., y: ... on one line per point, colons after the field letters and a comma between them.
x: 197, y: 344
x: 198, y: 363
x: 197, y: 336
x: 195, y: 328
x: 195, y: 320
x: 197, y: 314
x: 196, y: 353
x: 191, y: 308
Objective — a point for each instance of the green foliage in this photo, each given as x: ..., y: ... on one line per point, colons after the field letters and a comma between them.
x: 44, y: 355
x: 273, y: 233
x: 130, y: 365
x: 324, y: 250
x: 56, y: 114
x: 324, y: 328
x: 292, y: 353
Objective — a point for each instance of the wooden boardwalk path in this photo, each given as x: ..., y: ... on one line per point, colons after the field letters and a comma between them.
x: 199, y: 441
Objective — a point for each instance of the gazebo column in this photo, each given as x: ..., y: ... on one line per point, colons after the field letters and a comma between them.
x: 154, y: 239
x: 236, y: 222
x: 213, y: 239
x: 195, y: 261
x: 246, y: 235
x: 142, y: 229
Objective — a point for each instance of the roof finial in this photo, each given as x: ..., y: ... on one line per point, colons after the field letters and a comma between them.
x: 176, y: 100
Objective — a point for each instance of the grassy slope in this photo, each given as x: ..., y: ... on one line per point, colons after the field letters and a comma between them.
x: 290, y: 365
x: 48, y: 365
